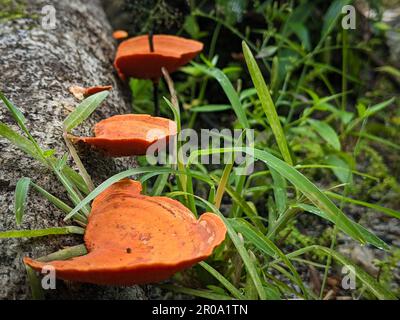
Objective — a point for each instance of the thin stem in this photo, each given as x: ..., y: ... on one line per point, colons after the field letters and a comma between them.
x: 282, y: 221
x: 155, y: 98
x: 185, y: 181
x: 65, y: 254
x: 151, y: 42
x: 344, y: 70
x: 214, y: 40
x: 155, y: 81
x: 82, y: 170
x: 222, y: 184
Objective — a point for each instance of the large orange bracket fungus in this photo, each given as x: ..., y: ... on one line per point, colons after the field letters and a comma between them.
x: 129, y: 134
x: 135, y: 239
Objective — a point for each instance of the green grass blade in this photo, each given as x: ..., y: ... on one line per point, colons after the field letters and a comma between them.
x: 326, y: 166
x: 229, y: 286
x: 267, y: 246
x: 84, y: 110
x: 211, y: 108
x: 159, y: 184
x: 73, y: 194
x: 387, y: 211
x: 54, y: 200
x: 15, y: 112
x: 368, y: 236
x: 223, y: 184
x: 247, y: 209
x: 326, y: 132
x: 21, y: 142
x: 20, y: 119
x: 29, y: 148
x: 280, y: 192
x: 344, y: 174
x: 21, y: 194
x: 41, y: 232
x: 65, y: 254
x: 251, y: 268
x: 376, y: 108
x: 267, y: 103
x: 113, y: 179
x: 35, y: 284
x: 332, y: 15
x: 377, y: 139
x: 76, y: 179
x: 229, y: 91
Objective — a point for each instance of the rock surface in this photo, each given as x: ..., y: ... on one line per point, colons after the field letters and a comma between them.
x: 37, y: 67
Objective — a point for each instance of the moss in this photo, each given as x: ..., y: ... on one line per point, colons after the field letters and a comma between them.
x: 12, y: 9
x: 296, y: 239
x: 387, y: 271
x: 156, y: 15
x: 388, y: 188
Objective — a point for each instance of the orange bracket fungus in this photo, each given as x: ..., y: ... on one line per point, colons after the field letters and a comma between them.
x: 135, y: 239
x: 120, y: 34
x: 143, y: 57
x: 135, y: 58
x: 92, y: 90
x: 81, y: 92
x: 129, y: 134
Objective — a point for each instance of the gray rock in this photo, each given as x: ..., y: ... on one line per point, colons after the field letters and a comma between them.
x: 37, y: 67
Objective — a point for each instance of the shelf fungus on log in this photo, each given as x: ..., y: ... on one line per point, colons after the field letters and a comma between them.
x: 136, y: 239
x: 136, y: 59
x: 130, y: 134
x: 81, y: 92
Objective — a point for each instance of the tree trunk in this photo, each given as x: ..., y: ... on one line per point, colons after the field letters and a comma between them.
x: 37, y: 68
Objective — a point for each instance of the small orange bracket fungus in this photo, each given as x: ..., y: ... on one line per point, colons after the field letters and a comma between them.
x: 92, y: 90
x: 120, y: 34
x: 135, y: 239
x: 81, y: 92
x: 129, y: 134
x: 135, y: 58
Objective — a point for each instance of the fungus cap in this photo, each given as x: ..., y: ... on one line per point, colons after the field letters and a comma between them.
x: 135, y: 239
x: 134, y: 58
x: 129, y: 134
